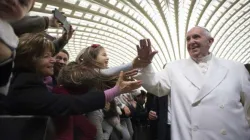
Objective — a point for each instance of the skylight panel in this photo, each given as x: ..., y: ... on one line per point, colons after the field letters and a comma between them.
x: 104, y: 20
x: 53, y: 34
x: 117, y: 16
x: 113, y: 2
x: 78, y: 33
x: 71, y: 1
x: 103, y: 10
x: 73, y: 20
x: 107, y: 34
x: 131, y: 12
x: 110, y: 22
x: 81, y: 28
x: 77, y: 40
x: 111, y: 13
x: 33, y: 13
x: 52, y: 30
x: 143, y: 3
x: 78, y: 14
x: 125, y: 9
x: 94, y: 7
x: 115, y: 24
x: 84, y: 37
x: 104, y: 28
x: 88, y: 29
x: 78, y: 36
x: 84, y: 4
x: 138, y: 1
x: 101, y: 32
x: 38, y: 5
x: 96, y: 18
x: 95, y: 31
x: 88, y: 16
x: 50, y: 7
x: 119, y: 5
x: 66, y: 11
x: 91, y: 25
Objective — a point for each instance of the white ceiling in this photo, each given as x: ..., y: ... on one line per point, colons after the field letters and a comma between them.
x: 118, y: 25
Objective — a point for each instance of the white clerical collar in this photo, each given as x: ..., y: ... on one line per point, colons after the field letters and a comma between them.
x: 204, y: 59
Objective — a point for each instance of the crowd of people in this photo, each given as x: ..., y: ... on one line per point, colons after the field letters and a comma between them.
x: 202, y: 97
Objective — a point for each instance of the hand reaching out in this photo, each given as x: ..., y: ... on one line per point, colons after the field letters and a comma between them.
x: 126, y: 111
x: 127, y: 86
x: 145, y: 54
x: 145, y: 50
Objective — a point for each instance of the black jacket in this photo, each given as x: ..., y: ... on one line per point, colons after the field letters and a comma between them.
x: 36, y: 24
x: 28, y: 95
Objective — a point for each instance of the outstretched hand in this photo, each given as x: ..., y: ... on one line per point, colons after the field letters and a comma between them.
x: 127, y: 86
x: 145, y: 54
x: 145, y: 50
x: 131, y: 73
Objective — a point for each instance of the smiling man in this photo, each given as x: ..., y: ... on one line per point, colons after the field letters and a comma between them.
x: 62, y: 59
x: 210, y: 97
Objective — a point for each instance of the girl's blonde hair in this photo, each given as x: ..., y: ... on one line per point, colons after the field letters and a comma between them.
x: 87, y: 56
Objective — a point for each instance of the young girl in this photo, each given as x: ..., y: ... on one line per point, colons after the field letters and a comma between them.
x: 95, y: 57
x: 75, y: 78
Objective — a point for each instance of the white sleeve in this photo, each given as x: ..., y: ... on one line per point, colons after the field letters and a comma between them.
x: 7, y: 35
x: 245, y: 92
x: 156, y: 83
x: 116, y: 70
x: 8, y: 38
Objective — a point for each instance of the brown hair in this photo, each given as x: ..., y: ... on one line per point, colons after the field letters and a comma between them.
x: 87, y: 56
x: 77, y: 76
x: 31, y: 48
x: 66, y: 52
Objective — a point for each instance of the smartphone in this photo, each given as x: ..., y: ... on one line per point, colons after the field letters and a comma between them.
x: 62, y: 19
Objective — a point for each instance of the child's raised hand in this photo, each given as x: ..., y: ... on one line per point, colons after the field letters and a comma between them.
x: 127, y: 86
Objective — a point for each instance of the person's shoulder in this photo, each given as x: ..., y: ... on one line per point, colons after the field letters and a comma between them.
x: 7, y: 34
x: 24, y: 79
x: 177, y: 63
x: 229, y: 62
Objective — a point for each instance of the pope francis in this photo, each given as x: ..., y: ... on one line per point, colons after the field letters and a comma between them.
x: 210, y: 97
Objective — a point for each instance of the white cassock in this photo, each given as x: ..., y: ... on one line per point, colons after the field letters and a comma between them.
x: 208, y: 102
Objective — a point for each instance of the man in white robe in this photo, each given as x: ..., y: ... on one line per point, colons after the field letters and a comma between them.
x: 210, y: 97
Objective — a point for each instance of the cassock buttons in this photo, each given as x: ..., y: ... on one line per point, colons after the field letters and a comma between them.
x: 196, y: 103
x: 222, y: 106
x: 195, y: 128
x: 223, y: 131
